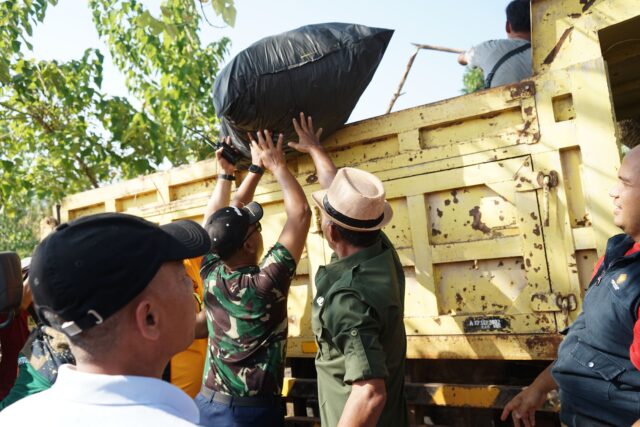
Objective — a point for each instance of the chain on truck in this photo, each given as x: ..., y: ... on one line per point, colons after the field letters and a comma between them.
x: 501, y: 210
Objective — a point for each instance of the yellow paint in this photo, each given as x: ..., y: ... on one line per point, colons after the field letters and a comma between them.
x: 475, y: 397
x: 462, y: 177
x: 309, y: 347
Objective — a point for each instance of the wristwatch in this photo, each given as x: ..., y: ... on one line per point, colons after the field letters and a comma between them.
x: 256, y: 169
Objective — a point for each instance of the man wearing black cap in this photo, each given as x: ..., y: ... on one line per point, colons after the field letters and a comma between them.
x: 246, y: 302
x: 116, y: 286
x: 358, y: 309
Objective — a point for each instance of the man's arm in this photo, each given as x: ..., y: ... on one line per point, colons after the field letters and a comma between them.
x: 293, y: 236
x: 309, y: 142
x: 365, y: 403
x: 529, y: 400
x: 222, y: 191
x: 247, y: 189
x: 201, y: 325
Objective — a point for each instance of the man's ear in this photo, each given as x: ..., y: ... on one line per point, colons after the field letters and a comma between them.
x: 147, y: 319
x: 332, y: 233
x: 507, y: 27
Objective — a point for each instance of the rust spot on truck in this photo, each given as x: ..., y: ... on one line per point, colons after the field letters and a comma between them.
x: 477, y: 223
x: 447, y: 202
x: 522, y: 89
x: 435, y: 232
x: 528, y: 111
x: 459, y: 299
x: 439, y: 212
x: 490, y: 115
x: 574, y: 15
x: 554, y: 52
x: 454, y: 193
x: 536, y: 230
x: 586, y: 4
x: 584, y: 222
x: 534, y: 216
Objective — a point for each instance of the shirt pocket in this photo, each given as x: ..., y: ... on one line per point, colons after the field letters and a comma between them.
x: 596, y: 361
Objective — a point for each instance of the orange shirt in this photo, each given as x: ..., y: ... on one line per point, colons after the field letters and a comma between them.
x: 187, y: 367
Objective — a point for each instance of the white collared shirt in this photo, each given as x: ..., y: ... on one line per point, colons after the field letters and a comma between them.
x: 84, y: 399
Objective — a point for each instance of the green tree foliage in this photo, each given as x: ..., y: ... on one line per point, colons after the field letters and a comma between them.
x: 60, y: 133
x: 473, y: 80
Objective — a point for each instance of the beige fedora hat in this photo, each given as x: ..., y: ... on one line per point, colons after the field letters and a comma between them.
x: 355, y: 200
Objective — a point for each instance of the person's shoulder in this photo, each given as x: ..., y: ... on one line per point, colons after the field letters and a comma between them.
x: 278, y: 254
x: 487, y: 45
x: 36, y: 406
x: 498, y: 45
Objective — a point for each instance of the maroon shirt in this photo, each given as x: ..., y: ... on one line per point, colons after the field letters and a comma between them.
x: 12, y: 339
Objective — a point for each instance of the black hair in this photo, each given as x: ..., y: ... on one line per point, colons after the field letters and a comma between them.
x: 360, y: 239
x: 519, y: 15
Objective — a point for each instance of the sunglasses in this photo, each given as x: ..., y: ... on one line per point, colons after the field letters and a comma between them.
x: 257, y: 228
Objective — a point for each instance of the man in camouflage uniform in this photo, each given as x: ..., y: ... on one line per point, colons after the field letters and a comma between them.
x: 44, y: 352
x: 246, y: 302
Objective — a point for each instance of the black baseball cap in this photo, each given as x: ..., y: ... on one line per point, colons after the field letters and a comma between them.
x: 88, y: 269
x: 227, y: 227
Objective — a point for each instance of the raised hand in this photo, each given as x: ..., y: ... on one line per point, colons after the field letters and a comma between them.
x: 308, y: 139
x: 255, y: 154
x: 271, y: 156
x: 223, y: 164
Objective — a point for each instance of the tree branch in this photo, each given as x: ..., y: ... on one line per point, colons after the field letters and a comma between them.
x: 87, y: 172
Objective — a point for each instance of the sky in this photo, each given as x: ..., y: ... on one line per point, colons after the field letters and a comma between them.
x: 68, y: 30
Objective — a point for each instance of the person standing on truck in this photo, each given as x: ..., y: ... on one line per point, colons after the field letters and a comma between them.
x: 596, y: 371
x: 245, y: 312
x: 358, y: 309
x: 115, y: 285
x: 507, y: 60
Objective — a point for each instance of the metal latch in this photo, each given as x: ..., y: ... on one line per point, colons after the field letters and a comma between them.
x: 528, y: 180
x: 554, y: 302
x: 547, y: 182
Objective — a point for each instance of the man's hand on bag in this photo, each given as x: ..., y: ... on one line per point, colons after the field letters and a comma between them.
x: 271, y: 156
x: 308, y: 138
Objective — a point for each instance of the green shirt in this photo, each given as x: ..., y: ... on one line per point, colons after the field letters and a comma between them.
x: 357, y: 318
x: 29, y: 382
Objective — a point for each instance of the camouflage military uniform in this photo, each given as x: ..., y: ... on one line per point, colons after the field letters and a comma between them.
x: 247, y: 321
x: 38, y: 363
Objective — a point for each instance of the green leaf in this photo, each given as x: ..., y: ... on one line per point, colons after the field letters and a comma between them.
x: 226, y: 10
x: 5, y: 75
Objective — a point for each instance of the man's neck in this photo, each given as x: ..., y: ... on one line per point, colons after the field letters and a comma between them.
x: 522, y: 35
x: 344, y: 250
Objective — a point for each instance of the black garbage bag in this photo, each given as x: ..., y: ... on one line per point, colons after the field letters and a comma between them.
x: 321, y: 70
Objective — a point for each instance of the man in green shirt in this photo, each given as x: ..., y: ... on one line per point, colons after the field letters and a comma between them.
x: 358, y: 309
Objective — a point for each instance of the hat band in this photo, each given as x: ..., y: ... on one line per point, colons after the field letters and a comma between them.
x: 351, y: 222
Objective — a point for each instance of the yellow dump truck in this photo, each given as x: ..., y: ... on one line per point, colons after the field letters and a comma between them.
x: 501, y: 210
